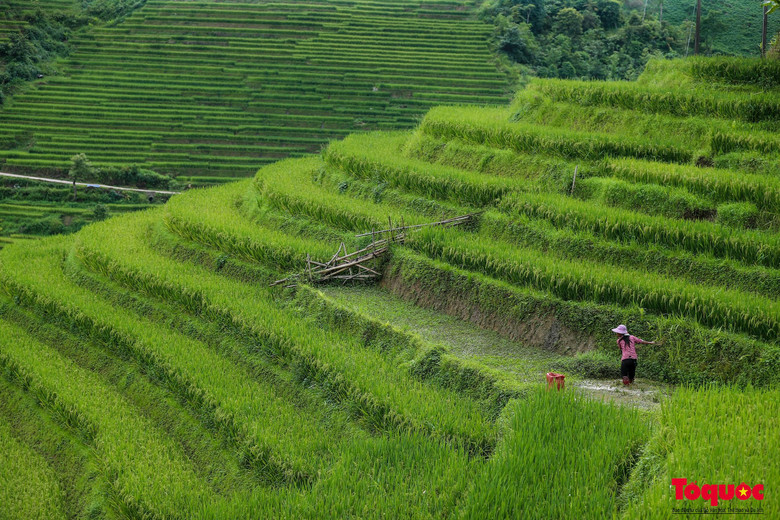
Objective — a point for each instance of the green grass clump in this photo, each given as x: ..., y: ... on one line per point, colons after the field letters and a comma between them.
x: 710, y: 435
x: 562, y: 456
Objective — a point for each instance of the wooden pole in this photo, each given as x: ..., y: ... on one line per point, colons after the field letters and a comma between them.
x: 574, y: 179
x: 763, y: 33
x: 696, y: 39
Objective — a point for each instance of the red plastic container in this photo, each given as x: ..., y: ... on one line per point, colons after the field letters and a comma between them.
x: 556, y: 380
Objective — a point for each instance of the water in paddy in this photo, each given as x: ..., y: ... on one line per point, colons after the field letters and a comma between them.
x: 487, y: 347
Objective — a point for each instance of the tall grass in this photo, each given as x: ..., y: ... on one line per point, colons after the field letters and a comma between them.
x: 562, y: 456
x: 710, y: 435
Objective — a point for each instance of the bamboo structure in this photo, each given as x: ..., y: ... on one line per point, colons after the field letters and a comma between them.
x: 358, y: 265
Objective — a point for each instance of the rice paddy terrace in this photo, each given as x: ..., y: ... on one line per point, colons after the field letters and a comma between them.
x: 150, y: 370
x: 211, y: 90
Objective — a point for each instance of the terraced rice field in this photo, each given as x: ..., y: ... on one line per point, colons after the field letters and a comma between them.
x: 211, y: 90
x: 12, y: 13
x: 149, y: 370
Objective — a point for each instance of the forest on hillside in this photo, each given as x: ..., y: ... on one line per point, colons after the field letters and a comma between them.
x: 613, y: 40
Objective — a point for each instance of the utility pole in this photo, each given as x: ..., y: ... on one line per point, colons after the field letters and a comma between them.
x: 644, y: 13
x: 698, y: 28
x: 763, y: 33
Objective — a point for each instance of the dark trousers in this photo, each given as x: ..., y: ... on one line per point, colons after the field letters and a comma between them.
x: 628, y: 369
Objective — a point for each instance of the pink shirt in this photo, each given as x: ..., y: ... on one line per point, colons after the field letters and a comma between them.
x: 629, y: 351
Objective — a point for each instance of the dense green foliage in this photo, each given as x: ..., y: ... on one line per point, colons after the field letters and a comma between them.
x: 613, y: 40
x: 581, y: 39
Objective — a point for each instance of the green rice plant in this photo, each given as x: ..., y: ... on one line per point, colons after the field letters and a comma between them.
x: 720, y: 185
x: 585, y: 281
x: 739, y: 214
x: 572, y: 244
x: 268, y: 432
x: 492, y: 126
x: 751, y: 107
x: 213, y: 218
x: 755, y: 141
x: 292, y: 187
x: 147, y: 473
x: 375, y: 388
x: 532, y: 107
x: 645, y: 198
x: 377, y: 156
x: 752, y: 71
x: 536, y: 171
x: 749, y: 247
x: 562, y: 456
x: 432, y: 363
x: 750, y: 162
x: 691, y: 353
x: 714, y: 435
x: 28, y: 485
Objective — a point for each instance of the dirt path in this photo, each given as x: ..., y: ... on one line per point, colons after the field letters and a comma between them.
x: 487, y: 347
x: 97, y: 186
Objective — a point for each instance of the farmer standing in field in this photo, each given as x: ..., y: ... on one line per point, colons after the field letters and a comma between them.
x: 627, y: 343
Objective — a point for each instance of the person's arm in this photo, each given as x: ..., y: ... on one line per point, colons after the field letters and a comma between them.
x: 643, y: 342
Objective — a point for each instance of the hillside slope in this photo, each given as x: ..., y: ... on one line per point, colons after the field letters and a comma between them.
x: 149, y: 368
x: 733, y: 27
x: 213, y: 89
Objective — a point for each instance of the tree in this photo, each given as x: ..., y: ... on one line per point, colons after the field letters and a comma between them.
x: 519, y: 42
x: 568, y: 21
x: 772, y: 5
x: 711, y: 26
x: 99, y: 213
x: 609, y: 12
x: 80, y: 169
